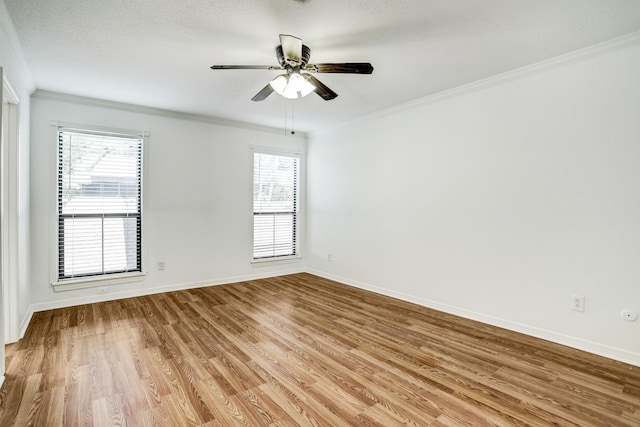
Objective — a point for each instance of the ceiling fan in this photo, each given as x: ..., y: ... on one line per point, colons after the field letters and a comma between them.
x: 293, y: 57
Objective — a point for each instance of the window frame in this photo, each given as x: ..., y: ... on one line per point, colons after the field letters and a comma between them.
x: 297, y: 203
x: 99, y: 279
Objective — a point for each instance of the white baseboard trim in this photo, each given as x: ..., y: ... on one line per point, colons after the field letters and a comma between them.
x: 577, y: 343
x: 25, y: 322
x: 614, y: 353
x: 90, y: 299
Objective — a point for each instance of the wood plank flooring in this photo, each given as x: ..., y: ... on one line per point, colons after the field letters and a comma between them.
x: 299, y: 350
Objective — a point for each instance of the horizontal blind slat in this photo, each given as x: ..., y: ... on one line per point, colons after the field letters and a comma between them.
x: 99, y: 202
x: 275, y: 205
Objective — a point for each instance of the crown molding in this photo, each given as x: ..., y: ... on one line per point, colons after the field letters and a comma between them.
x: 121, y: 106
x: 498, y: 79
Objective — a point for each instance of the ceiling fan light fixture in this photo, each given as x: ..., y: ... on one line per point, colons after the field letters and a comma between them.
x: 293, y: 57
x: 292, y: 86
x: 279, y: 83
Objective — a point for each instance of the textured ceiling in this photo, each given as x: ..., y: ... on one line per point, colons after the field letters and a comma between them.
x: 157, y: 53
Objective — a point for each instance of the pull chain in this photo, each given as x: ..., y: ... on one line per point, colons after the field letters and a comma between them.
x: 292, y: 131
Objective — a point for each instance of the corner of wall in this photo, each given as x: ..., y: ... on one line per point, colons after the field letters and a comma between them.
x: 11, y: 44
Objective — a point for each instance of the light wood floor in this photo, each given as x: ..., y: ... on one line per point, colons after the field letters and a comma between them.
x: 299, y: 350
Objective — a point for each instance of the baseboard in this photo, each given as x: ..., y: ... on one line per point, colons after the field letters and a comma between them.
x: 90, y: 299
x: 577, y: 343
x: 25, y: 322
x: 610, y: 352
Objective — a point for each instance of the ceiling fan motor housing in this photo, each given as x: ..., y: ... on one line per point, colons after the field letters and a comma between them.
x: 293, y: 57
x: 304, y: 59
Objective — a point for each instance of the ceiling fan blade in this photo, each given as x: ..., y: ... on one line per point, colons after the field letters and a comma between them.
x: 262, y: 95
x: 347, y: 67
x: 245, y: 67
x: 291, y: 49
x: 321, y: 89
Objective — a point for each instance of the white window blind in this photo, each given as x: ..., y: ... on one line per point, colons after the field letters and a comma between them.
x: 275, y: 206
x: 99, y: 203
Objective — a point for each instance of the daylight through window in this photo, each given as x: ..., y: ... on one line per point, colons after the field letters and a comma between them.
x: 275, y: 206
x: 99, y: 203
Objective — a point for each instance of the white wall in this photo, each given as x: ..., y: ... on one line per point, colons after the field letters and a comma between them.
x: 197, y: 199
x: 497, y: 201
x: 18, y: 76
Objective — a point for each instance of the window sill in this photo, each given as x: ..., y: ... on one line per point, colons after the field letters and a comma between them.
x: 274, y: 261
x: 92, y: 282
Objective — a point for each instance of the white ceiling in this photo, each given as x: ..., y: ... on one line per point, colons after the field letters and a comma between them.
x: 157, y: 53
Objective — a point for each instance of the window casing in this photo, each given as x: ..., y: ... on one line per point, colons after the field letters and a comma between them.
x: 99, y: 202
x: 275, y: 206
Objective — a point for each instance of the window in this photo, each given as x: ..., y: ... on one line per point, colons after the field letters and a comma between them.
x: 275, y: 206
x: 99, y: 203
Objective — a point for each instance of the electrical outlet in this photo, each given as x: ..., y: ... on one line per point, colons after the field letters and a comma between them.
x: 161, y: 265
x: 329, y: 257
x: 577, y: 303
